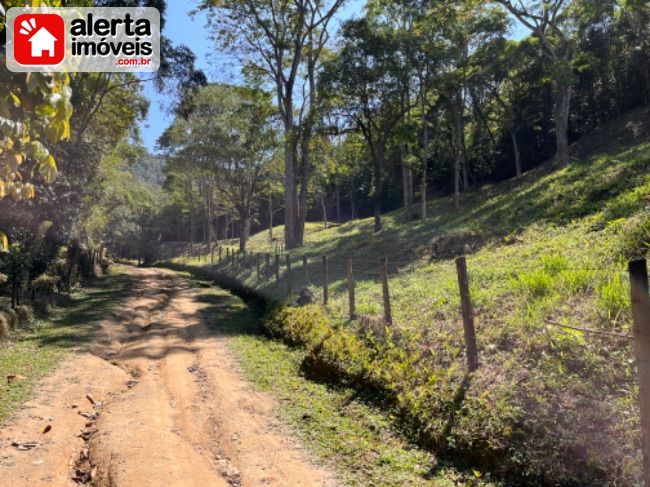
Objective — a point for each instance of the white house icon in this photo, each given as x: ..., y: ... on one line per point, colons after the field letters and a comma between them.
x: 42, y: 41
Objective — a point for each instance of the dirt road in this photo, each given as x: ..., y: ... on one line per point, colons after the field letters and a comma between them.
x: 170, y: 407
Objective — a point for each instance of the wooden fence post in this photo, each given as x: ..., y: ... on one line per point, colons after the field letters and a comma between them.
x: 277, y: 269
x: 351, y: 297
x: 288, y: 260
x: 325, y: 281
x: 268, y: 265
x: 220, y: 250
x: 468, y: 314
x: 227, y: 256
x: 211, y: 253
x: 258, y: 266
x: 383, y: 274
x: 638, y: 270
x: 305, y: 272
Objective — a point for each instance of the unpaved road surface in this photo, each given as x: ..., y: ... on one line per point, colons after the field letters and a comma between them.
x: 170, y: 408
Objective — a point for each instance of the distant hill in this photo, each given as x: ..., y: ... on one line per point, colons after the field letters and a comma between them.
x: 150, y: 170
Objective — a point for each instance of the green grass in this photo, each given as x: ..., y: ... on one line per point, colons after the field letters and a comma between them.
x: 36, y: 349
x: 344, y: 431
x: 552, y: 248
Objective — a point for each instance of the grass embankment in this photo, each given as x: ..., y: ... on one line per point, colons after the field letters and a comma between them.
x: 36, y: 349
x: 338, y: 426
x: 548, y: 404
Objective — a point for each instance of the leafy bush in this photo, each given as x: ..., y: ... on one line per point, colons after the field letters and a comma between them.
x: 554, y: 264
x: 634, y: 236
x: 536, y: 283
x: 46, y: 283
x: 614, y: 296
x: 522, y: 414
x: 368, y: 308
x: 575, y: 281
x: 25, y: 314
x: 11, y: 317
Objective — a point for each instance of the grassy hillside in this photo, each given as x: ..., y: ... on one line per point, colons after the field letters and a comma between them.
x: 548, y: 404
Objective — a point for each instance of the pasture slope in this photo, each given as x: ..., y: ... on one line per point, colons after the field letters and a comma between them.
x: 549, y: 404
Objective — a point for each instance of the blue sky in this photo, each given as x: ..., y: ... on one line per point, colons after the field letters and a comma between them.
x: 182, y: 28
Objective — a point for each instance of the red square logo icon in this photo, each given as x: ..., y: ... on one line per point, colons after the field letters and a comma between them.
x: 39, y: 39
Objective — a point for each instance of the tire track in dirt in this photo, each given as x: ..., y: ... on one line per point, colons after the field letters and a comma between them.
x: 60, y: 398
x: 191, y: 420
x: 176, y: 411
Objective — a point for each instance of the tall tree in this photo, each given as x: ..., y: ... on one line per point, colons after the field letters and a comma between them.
x: 229, y: 137
x: 464, y: 26
x: 276, y: 38
x: 546, y: 20
x: 364, y: 82
x: 559, y: 25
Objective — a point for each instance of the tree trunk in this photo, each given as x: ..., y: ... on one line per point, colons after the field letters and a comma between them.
x: 324, y: 208
x: 270, y: 218
x: 304, y: 182
x: 407, y: 182
x: 458, y: 148
x: 465, y: 173
x: 305, y: 139
x: 289, y: 177
x: 425, y: 147
x: 192, y: 231
x: 562, y: 107
x: 337, y: 193
x: 352, y: 209
x: 378, y: 160
x: 244, y: 230
x: 406, y: 191
x: 423, y: 180
x: 515, y: 148
x: 14, y: 293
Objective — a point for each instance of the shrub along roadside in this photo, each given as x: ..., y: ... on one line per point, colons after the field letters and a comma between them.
x: 531, y: 413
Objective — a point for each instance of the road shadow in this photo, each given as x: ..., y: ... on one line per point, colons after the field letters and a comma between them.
x: 75, y: 321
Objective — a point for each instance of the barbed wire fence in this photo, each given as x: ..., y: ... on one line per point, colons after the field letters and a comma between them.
x: 278, y: 269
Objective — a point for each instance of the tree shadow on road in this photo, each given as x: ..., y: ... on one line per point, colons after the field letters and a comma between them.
x: 76, y: 321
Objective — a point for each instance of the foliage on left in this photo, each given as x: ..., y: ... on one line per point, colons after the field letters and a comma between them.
x: 35, y: 111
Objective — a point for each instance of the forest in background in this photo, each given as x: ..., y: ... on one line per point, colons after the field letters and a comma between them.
x: 407, y: 101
